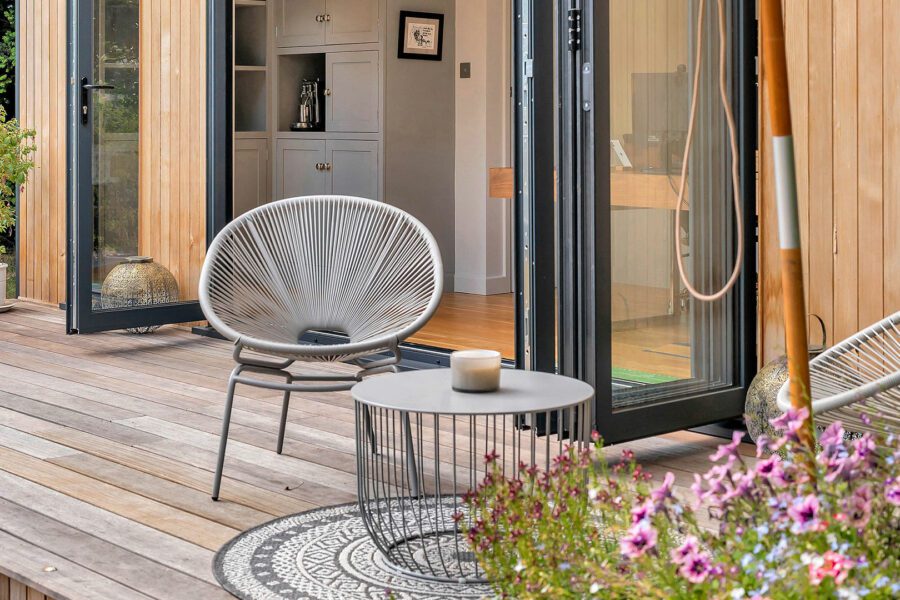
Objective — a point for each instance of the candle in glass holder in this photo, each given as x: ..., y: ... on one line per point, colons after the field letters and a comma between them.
x: 475, y: 370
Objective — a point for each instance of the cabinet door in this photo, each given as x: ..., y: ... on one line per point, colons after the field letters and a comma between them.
x: 352, y: 21
x: 352, y: 92
x: 299, y: 23
x: 353, y: 168
x: 296, y: 172
x: 251, y: 174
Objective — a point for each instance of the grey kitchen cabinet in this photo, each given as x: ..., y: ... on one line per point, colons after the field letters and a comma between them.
x: 299, y: 22
x: 352, y: 95
x: 321, y: 22
x: 353, y: 168
x: 352, y: 21
x: 300, y: 168
x: 251, y: 174
x: 312, y: 167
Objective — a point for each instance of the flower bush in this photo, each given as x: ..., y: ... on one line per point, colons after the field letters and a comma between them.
x: 793, y: 524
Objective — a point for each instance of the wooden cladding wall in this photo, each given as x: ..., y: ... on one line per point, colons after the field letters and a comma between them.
x: 172, y: 204
x: 172, y: 171
x: 10, y: 589
x: 844, y: 69
x: 42, y: 107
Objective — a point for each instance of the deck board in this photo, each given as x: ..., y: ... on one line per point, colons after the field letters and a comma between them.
x: 108, y: 444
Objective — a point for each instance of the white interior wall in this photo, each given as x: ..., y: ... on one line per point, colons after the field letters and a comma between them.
x: 483, y: 224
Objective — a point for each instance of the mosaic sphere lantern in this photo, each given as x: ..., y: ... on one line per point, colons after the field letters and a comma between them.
x: 760, y: 406
x: 138, y: 282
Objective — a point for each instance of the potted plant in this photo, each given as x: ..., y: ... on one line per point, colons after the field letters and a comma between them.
x: 16, y: 161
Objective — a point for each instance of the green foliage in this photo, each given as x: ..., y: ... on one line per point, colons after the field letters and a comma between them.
x: 16, y: 161
x: 7, y: 48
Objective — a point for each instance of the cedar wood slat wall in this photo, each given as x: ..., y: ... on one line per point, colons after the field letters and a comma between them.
x: 10, y: 589
x: 172, y: 204
x: 42, y: 96
x: 172, y: 220
x: 844, y: 69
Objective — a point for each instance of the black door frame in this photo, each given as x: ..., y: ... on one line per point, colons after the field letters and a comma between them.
x: 80, y: 316
x: 591, y: 230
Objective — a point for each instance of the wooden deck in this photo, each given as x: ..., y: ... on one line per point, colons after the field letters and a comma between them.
x: 107, y: 447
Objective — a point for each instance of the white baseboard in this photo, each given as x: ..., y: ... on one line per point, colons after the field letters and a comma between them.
x: 484, y: 286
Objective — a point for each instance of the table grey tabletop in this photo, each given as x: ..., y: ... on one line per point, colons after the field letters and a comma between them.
x: 429, y: 391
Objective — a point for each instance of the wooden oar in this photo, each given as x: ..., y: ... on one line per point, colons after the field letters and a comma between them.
x: 776, y: 79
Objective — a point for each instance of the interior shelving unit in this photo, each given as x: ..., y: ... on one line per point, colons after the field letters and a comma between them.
x: 277, y: 45
x: 251, y: 70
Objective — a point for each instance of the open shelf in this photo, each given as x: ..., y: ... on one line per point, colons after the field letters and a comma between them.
x: 292, y: 70
x: 250, y: 101
x: 250, y: 34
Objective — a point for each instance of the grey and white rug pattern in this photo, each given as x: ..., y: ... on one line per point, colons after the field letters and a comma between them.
x: 322, y: 554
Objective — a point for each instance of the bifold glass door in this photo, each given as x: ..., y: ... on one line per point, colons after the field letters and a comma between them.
x: 137, y: 212
x: 659, y: 359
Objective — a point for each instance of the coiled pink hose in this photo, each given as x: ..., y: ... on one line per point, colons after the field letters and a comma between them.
x: 735, y: 159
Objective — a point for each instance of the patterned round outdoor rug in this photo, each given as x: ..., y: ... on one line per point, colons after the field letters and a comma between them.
x: 323, y: 554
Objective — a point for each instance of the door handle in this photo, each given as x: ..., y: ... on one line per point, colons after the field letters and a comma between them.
x: 85, y: 96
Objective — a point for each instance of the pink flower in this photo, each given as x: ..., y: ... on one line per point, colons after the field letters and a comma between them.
x: 729, y: 449
x: 791, y: 422
x: 770, y: 467
x: 690, y: 546
x: 695, y: 567
x: 864, y: 449
x: 832, y: 438
x: 832, y: 565
x: 640, y: 538
x: 859, y: 507
x: 743, y: 486
x: 804, y: 511
x: 644, y: 511
x: 892, y: 493
x: 664, y: 491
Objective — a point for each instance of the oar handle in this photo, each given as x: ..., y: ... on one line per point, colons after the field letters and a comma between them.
x: 779, y: 104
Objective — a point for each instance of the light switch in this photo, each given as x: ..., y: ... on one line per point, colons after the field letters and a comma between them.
x: 465, y: 70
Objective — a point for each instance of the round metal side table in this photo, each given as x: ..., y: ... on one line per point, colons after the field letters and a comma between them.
x: 420, y: 446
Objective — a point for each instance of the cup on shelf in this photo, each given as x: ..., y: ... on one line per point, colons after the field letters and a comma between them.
x: 475, y: 370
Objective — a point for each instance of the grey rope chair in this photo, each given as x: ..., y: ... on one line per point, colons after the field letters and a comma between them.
x: 859, y: 375
x: 323, y: 263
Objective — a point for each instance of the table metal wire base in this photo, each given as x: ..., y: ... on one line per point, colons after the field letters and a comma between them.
x: 414, y: 469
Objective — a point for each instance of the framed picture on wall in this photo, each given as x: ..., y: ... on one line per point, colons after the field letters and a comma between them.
x: 421, y: 35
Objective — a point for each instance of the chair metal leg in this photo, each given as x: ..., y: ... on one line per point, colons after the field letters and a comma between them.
x: 226, y: 422
x: 411, y: 458
x: 283, y: 424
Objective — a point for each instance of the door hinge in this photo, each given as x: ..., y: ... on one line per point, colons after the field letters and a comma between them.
x: 574, y: 29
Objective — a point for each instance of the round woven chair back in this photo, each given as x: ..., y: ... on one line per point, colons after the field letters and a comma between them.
x: 321, y: 263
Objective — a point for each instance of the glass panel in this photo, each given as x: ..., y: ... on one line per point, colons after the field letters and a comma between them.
x: 148, y: 139
x: 114, y: 142
x: 663, y: 342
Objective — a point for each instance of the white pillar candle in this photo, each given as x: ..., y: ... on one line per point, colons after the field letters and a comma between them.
x: 475, y: 370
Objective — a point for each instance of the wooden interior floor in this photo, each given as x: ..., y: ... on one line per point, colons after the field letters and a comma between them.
x: 657, y: 347
x: 107, y: 447
x: 466, y: 321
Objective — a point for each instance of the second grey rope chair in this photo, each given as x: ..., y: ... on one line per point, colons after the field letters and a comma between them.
x: 320, y: 263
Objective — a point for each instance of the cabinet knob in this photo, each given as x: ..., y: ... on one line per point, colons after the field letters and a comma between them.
x: 320, y: 18
x: 320, y: 166
x: 327, y: 166
x: 327, y: 92
x: 327, y: 17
